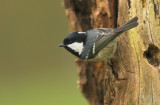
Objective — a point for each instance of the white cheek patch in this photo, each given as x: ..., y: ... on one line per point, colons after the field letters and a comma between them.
x: 77, y: 47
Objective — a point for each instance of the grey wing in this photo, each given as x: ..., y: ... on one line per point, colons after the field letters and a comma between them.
x: 104, y: 37
x: 97, y: 39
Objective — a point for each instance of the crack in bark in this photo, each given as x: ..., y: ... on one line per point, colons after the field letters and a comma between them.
x: 129, y: 4
x: 139, y: 68
x: 148, y: 20
x: 139, y: 83
x: 139, y: 74
x: 116, y: 12
x: 152, y: 93
x: 150, y: 32
x: 156, y: 8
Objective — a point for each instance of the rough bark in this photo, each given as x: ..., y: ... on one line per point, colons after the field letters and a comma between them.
x: 135, y: 76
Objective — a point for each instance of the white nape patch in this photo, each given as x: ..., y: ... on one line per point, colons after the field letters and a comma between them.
x: 93, y: 48
x: 81, y: 32
x: 77, y: 47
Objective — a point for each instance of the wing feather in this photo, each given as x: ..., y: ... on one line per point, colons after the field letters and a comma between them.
x: 105, y: 36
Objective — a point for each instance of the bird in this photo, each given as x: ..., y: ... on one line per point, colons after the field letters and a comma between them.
x: 96, y: 44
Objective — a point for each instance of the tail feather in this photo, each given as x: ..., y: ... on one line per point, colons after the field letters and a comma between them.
x: 131, y: 24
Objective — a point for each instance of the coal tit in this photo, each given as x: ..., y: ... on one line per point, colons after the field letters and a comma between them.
x: 96, y: 44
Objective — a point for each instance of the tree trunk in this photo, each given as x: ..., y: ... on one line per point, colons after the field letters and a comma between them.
x: 135, y: 76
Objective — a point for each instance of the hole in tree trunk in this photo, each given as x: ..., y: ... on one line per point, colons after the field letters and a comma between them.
x: 152, y: 54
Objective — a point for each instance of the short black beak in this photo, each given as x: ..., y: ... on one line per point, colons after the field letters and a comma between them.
x: 61, y: 45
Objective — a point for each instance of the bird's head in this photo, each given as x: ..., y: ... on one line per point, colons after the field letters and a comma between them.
x: 74, y: 43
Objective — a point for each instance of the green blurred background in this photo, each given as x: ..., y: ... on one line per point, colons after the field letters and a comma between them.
x: 33, y: 70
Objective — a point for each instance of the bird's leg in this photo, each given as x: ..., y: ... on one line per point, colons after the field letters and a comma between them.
x: 105, y: 82
x: 109, y: 63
